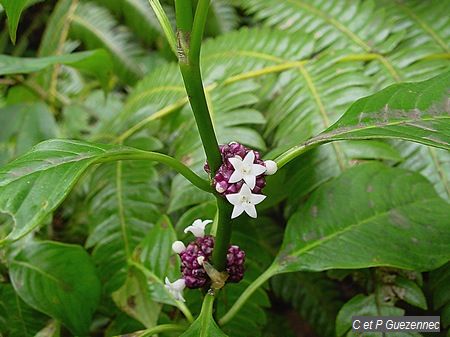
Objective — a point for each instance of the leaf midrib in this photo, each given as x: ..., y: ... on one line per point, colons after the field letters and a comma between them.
x: 352, y: 226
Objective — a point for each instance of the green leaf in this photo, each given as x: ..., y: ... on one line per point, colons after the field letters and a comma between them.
x: 361, y: 305
x: 24, y: 125
x: 439, y: 281
x: 33, y: 185
x: 18, y: 319
x: 59, y: 280
x: 135, y: 298
x: 155, y: 251
x: 204, y: 325
x: 14, y: 9
x: 346, y: 221
x: 95, y: 62
x: 408, y: 291
x: 417, y: 112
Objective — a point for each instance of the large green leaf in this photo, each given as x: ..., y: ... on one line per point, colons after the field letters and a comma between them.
x: 134, y: 298
x: 417, y: 112
x: 361, y: 305
x: 204, y: 325
x: 346, y: 222
x: 18, y: 319
x: 33, y: 185
x: 59, y: 280
x: 95, y: 62
x: 24, y: 125
x: 14, y: 9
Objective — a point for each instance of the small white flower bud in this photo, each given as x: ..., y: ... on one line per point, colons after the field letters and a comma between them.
x: 178, y: 247
x: 200, y: 260
x: 271, y: 167
x: 219, y: 188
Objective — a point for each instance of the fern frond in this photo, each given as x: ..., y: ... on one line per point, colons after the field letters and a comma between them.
x: 139, y: 17
x: 314, y: 296
x: 97, y: 28
x: 123, y: 206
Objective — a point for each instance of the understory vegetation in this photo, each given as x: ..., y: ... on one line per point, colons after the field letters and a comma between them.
x: 105, y: 132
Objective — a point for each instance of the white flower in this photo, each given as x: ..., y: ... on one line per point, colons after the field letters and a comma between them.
x: 176, y: 288
x: 198, y: 227
x: 271, y: 167
x: 245, y: 169
x: 244, y: 200
x: 178, y: 247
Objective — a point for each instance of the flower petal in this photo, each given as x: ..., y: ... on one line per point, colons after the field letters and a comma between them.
x: 258, y: 169
x: 250, y: 180
x: 235, y: 176
x: 255, y: 199
x: 236, y: 162
x: 249, y: 158
x: 250, y: 210
x: 234, y: 199
x: 237, y: 210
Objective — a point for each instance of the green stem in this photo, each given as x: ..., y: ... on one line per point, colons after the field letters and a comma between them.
x: 189, y: 46
x: 162, y: 328
x: 178, y: 166
x: 194, y: 87
x: 183, y: 13
x: 165, y: 24
x: 152, y: 277
x: 201, y: 15
x: 271, y: 271
x: 223, y: 234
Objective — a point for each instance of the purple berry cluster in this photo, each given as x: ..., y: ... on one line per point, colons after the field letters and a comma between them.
x: 221, y: 178
x: 199, y: 251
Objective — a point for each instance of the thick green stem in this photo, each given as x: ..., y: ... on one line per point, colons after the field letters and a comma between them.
x: 161, y: 328
x: 189, y: 45
x: 183, y: 12
x: 194, y: 87
x: 271, y: 271
x: 223, y: 234
x: 127, y: 154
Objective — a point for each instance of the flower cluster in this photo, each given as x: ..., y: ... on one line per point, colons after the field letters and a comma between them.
x: 196, y: 254
x: 241, y: 177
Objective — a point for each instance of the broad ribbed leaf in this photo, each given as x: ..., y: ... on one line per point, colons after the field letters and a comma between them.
x: 33, y: 185
x: 18, y: 319
x: 417, y: 112
x: 430, y: 162
x: 361, y: 305
x: 96, y: 63
x: 346, y: 221
x: 59, y: 280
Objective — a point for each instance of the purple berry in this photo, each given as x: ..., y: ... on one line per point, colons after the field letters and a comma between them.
x: 235, y: 264
x: 193, y: 272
